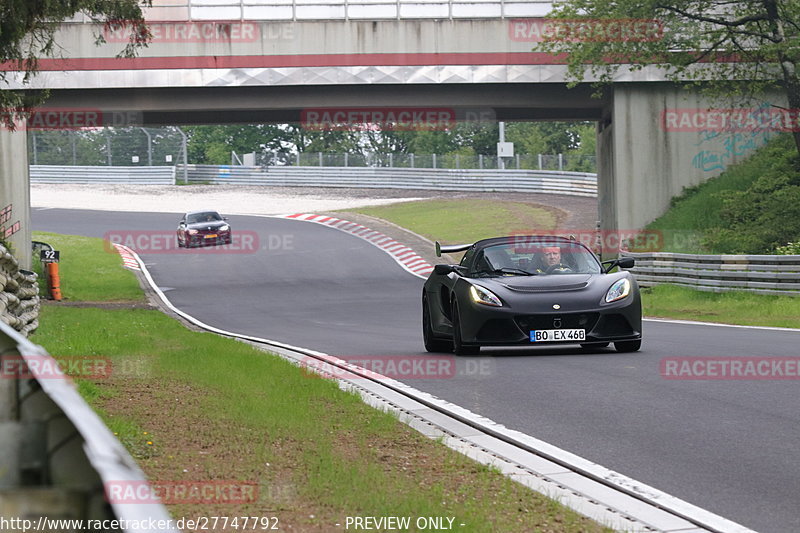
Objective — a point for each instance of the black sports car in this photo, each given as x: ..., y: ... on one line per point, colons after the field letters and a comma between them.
x: 530, y: 290
x: 203, y: 228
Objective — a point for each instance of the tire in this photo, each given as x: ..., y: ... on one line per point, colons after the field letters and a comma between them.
x: 458, y: 345
x: 628, y: 346
x: 177, y: 240
x: 432, y: 344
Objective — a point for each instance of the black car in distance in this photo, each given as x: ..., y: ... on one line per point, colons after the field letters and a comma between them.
x: 203, y: 228
x: 530, y: 291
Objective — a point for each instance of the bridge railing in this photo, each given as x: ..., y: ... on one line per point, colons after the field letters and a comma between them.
x: 199, y: 10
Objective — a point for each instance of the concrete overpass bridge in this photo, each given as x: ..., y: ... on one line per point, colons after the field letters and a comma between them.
x: 226, y: 61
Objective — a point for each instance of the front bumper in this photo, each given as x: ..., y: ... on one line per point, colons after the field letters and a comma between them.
x: 201, y: 239
x: 497, y: 326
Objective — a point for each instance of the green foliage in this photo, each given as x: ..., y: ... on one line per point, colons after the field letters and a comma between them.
x: 791, y: 248
x: 681, y: 34
x: 753, y: 207
x: 27, y: 30
x: 213, y: 144
x: 760, y: 218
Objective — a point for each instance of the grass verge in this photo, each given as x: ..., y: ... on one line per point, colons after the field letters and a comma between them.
x: 467, y: 220
x: 449, y: 224
x: 91, y: 270
x: 734, y: 307
x: 197, y: 408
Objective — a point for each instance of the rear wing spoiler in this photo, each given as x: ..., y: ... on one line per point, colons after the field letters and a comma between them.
x: 450, y: 248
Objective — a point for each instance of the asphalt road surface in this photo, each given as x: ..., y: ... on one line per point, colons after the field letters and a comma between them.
x: 727, y: 446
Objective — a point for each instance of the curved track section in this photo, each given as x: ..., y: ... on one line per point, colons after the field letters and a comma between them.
x: 726, y: 446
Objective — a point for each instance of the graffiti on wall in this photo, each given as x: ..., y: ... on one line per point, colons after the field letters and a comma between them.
x: 723, y: 144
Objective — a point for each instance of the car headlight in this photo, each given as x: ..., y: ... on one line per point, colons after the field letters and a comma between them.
x: 484, y: 296
x: 224, y: 228
x: 192, y: 232
x: 619, y: 290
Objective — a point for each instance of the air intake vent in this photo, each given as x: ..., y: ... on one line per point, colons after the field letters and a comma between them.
x: 548, y: 288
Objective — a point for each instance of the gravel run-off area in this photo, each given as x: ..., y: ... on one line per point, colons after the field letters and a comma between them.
x: 578, y: 212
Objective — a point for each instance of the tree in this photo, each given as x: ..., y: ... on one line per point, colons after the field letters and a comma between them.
x: 27, y: 33
x: 731, y: 49
x: 212, y: 145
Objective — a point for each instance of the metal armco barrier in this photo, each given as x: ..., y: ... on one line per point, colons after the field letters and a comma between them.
x: 19, y: 295
x: 55, y: 453
x: 541, y: 181
x: 78, y: 174
x: 771, y: 274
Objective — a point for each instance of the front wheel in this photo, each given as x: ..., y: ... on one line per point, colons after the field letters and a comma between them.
x: 458, y: 345
x: 432, y: 344
x: 628, y: 346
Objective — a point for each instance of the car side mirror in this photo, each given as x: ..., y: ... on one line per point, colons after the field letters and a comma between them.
x: 444, y: 270
x: 622, y: 262
x: 625, y: 262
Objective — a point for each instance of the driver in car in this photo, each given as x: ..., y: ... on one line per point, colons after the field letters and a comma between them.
x: 552, y: 260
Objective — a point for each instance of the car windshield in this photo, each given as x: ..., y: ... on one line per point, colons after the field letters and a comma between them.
x: 526, y: 257
x: 208, y: 216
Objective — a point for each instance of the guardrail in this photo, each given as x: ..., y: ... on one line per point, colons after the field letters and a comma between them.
x: 771, y: 274
x: 19, y: 295
x: 90, y: 174
x: 540, y: 181
x: 56, y: 455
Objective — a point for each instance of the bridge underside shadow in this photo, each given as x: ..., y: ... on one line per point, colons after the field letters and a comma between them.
x: 284, y: 104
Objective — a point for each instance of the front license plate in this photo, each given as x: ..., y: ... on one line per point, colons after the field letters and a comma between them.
x: 556, y: 335
x: 211, y: 236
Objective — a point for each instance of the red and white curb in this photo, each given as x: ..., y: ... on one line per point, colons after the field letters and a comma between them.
x: 128, y: 259
x: 405, y: 256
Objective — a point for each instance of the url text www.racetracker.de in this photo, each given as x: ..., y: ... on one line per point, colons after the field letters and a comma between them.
x: 200, y: 523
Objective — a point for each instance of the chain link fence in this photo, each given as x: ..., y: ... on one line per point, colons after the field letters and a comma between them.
x: 107, y: 147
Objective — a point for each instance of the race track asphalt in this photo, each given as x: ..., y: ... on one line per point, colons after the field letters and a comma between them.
x: 727, y: 446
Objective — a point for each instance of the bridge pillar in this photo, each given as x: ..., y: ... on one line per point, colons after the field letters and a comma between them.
x: 15, y: 202
x: 654, y: 140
